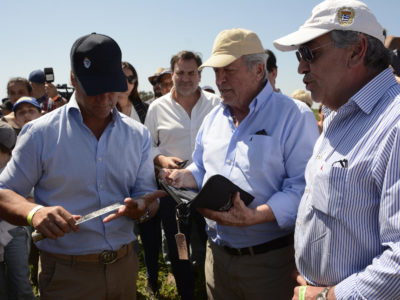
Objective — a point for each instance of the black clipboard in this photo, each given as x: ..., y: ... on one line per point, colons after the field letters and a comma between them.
x: 216, y: 194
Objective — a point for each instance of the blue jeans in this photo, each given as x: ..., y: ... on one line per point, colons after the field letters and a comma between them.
x: 14, y: 270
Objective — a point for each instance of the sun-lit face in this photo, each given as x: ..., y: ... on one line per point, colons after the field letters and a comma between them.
x: 236, y: 83
x: 186, y: 77
x: 25, y: 113
x: 325, y: 76
x: 17, y: 90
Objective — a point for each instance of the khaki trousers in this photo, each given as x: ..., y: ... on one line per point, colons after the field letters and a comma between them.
x: 68, y: 279
x: 262, y: 276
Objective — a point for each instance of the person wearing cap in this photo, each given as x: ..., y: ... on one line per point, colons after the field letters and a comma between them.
x: 17, y: 87
x: 347, y: 236
x: 45, y: 92
x: 74, y: 158
x: 156, y: 84
x: 165, y: 81
x: 261, y: 141
x: 14, y: 267
x: 26, y: 109
x: 173, y: 121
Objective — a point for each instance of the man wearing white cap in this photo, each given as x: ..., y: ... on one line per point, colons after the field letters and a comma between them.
x: 261, y: 141
x: 347, y: 237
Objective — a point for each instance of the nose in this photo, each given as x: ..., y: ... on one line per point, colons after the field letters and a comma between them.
x: 219, y: 76
x: 304, y: 67
x: 106, y: 96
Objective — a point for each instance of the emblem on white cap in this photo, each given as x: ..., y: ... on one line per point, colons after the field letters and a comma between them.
x: 345, y: 16
x: 86, y: 63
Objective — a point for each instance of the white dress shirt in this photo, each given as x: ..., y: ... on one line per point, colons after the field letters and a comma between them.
x: 172, y: 130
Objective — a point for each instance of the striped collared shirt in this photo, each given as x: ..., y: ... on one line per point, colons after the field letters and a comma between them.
x: 348, y: 223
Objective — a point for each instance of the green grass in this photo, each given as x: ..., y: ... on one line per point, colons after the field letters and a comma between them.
x: 167, y: 287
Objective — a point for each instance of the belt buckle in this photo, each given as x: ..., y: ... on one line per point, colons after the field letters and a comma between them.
x: 108, y: 257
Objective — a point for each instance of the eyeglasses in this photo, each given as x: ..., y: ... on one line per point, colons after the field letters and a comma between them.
x: 131, y: 79
x: 306, y: 53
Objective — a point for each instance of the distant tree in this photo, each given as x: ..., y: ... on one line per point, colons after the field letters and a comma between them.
x: 145, y: 95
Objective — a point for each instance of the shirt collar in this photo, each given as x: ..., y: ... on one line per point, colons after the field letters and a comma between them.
x: 368, y: 96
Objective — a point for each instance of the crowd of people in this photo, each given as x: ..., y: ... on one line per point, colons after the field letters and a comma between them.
x: 325, y: 219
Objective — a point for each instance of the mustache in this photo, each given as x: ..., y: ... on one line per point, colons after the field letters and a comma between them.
x: 307, y: 77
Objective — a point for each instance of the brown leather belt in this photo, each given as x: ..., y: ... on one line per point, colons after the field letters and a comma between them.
x: 105, y: 257
x: 262, y: 248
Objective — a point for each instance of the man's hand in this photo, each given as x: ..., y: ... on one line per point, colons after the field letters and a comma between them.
x: 136, y: 208
x: 239, y: 214
x: 311, y: 291
x: 50, y: 89
x: 168, y: 162
x: 54, y: 221
x: 178, y: 178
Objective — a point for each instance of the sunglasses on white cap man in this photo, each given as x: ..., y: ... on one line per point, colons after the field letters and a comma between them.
x: 333, y: 15
x: 231, y: 44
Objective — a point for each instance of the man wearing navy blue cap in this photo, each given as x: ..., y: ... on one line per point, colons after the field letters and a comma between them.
x: 80, y: 158
x: 45, y: 92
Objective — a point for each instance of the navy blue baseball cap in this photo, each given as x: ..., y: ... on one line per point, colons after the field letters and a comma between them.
x: 26, y: 99
x: 96, y: 64
x: 37, y: 76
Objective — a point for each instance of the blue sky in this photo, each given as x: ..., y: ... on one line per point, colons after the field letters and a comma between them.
x: 38, y: 34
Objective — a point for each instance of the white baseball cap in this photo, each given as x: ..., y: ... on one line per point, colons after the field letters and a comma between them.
x: 333, y: 15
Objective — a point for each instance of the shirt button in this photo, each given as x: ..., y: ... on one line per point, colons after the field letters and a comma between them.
x: 100, y: 159
x: 228, y: 161
x: 101, y: 186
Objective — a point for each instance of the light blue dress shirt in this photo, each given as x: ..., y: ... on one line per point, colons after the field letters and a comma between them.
x: 60, y: 157
x: 348, y: 224
x: 269, y: 165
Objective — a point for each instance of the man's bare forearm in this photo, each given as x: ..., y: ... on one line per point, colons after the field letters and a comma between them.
x: 14, y: 208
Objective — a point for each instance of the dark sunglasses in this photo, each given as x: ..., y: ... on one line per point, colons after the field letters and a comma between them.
x: 306, y: 53
x: 131, y: 79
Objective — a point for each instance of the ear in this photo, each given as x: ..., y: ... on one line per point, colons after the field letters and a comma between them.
x: 73, y: 80
x: 358, y: 52
x: 260, y: 71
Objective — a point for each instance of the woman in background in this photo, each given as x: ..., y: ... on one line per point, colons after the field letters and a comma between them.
x: 129, y: 103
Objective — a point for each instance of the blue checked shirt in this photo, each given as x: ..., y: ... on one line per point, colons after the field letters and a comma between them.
x: 348, y: 224
x: 265, y: 155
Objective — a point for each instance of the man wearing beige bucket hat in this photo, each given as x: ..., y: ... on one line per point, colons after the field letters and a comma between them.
x: 347, y: 236
x: 261, y: 141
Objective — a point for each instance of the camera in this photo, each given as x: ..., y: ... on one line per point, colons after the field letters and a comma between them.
x: 49, y: 75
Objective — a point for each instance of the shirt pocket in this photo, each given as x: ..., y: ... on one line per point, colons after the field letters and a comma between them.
x: 255, y: 152
x: 329, y: 190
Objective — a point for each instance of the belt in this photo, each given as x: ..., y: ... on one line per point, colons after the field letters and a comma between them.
x: 105, y: 257
x: 262, y: 248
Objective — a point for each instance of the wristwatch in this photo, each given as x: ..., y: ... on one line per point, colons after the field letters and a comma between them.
x: 323, y: 294
x: 144, y: 217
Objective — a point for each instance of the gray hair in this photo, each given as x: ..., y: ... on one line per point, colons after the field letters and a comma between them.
x: 377, y: 56
x: 253, y: 59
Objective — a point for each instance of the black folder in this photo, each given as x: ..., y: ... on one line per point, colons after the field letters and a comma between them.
x: 216, y: 194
